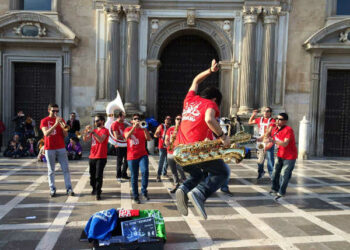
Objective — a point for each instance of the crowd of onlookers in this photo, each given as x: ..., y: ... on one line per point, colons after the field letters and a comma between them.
x: 26, y: 140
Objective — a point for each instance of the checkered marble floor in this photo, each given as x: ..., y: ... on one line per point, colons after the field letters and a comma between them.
x: 314, y: 214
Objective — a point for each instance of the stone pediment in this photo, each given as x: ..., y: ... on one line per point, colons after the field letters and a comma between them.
x: 32, y: 27
x: 334, y: 37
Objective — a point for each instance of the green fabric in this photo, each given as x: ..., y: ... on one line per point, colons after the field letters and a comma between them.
x: 158, y: 218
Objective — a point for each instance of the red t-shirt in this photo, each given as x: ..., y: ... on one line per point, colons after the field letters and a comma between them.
x: 162, y: 136
x: 56, y: 139
x: 120, y: 127
x: 290, y: 152
x: 136, y: 144
x: 193, y: 127
x: 99, y: 150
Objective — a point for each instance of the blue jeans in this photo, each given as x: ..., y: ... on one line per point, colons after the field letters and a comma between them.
x: 218, y: 172
x: 270, y: 161
x: 134, y: 166
x: 282, y: 174
x: 224, y: 186
x: 163, y: 163
x: 62, y: 158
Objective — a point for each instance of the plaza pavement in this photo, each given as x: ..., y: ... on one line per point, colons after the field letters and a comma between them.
x: 315, y: 213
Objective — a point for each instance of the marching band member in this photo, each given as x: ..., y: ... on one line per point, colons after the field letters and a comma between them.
x: 199, y: 119
x: 137, y: 156
x: 54, y: 130
x: 264, y: 124
x: 98, y: 153
x: 283, y: 137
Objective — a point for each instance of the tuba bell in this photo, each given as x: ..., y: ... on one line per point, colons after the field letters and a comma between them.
x: 114, y: 105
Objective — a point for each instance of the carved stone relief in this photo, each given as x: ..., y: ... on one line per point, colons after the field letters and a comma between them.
x: 30, y: 29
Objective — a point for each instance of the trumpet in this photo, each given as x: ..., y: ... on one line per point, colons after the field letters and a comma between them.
x: 64, y: 126
x: 143, y: 124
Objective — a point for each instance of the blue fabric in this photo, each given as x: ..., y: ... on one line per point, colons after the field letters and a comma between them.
x: 134, y: 166
x: 163, y: 162
x: 218, y: 171
x: 101, y: 224
x: 282, y: 174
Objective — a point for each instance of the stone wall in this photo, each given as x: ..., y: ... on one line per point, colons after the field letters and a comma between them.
x: 4, y: 6
x: 306, y: 18
x: 79, y: 15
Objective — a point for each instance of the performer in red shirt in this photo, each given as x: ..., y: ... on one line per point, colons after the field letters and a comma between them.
x: 54, y: 131
x: 199, y: 120
x: 169, y: 143
x: 160, y: 134
x: 283, y: 137
x: 137, y: 156
x: 264, y: 124
x: 118, y: 128
x: 98, y: 153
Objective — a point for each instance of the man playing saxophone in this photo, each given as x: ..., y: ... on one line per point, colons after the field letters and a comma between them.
x: 199, y: 120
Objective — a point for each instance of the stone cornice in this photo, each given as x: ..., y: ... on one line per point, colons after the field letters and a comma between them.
x: 132, y: 13
x: 272, y: 10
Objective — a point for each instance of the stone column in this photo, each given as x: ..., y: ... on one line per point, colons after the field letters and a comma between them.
x: 250, y: 15
x: 268, y: 55
x: 66, y: 92
x: 132, y: 57
x: 112, y: 54
x: 314, y: 102
x: 226, y: 87
x: 152, y: 86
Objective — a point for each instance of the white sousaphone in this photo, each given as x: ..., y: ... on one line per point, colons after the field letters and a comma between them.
x: 114, y: 105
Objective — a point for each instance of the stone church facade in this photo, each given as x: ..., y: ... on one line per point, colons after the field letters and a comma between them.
x: 276, y: 53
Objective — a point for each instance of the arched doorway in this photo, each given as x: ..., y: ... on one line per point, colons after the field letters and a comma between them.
x: 181, y: 60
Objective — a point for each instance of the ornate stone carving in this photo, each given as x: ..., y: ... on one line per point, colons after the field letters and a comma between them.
x: 250, y: 13
x: 132, y: 13
x: 154, y: 25
x: 271, y: 13
x: 191, y: 17
x: 113, y: 11
x: 227, y: 26
x: 344, y: 36
x: 30, y: 29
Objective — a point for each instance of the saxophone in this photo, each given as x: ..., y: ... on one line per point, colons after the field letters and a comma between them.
x: 173, y: 137
x: 209, y: 150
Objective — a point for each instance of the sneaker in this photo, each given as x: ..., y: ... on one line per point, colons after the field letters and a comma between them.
x: 93, y: 192
x: 198, y: 199
x: 278, y: 196
x: 98, y: 197
x: 181, y: 202
x: 273, y: 192
x: 227, y: 192
x: 126, y: 177
x: 172, y: 191
x: 119, y: 179
x: 260, y: 175
x: 53, y: 193
x: 70, y: 192
x: 145, y: 197
x: 137, y: 201
x: 158, y: 179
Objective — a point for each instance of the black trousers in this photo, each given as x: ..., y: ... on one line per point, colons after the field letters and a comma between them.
x: 96, y: 173
x: 122, y: 163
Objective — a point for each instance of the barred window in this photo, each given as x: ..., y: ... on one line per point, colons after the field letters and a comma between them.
x: 35, y: 5
x: 343, y: 7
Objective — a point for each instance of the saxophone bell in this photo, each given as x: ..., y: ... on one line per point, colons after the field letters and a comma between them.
x: 143, y: 124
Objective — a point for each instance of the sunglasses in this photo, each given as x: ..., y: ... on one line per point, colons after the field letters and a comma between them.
x: 280, y: 119
x: 136, y: 119
x: 97, y: 120
x: 55, y: 111
x: 178, y: 119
